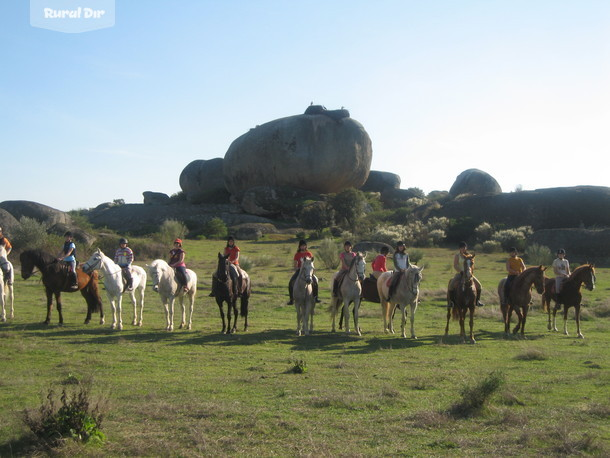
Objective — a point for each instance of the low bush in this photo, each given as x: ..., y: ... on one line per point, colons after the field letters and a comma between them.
x: 328, y: 253
x: 170, y: 230
x: 474, y: 398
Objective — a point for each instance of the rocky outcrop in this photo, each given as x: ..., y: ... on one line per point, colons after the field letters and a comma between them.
x: 155, y: 198
x: 381, y: 181
x: 475, y: 182
x: 8, y: 222
x: 312, y: 152
x: 39, y: 212
x: 581, y: 245
x: 275, y: 201
x: 79, y: 234
x: 253, y: 231
x: 371, y: 248
x: 581, y: 206
x: 203, y: 181
x: 145, y: 219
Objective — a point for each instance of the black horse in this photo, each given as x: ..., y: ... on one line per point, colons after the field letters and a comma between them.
x: 222, y: 289
x: 55, y: 277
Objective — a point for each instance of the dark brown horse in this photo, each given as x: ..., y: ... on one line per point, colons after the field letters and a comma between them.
x: 56, y: 280
x: 570, y: 296
x: 464, y: 299
x: 222, y: 289
x: 520, y: 296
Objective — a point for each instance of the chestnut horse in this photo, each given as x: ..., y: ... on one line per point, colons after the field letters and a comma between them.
x: 570, y: 296
x: 464, y: 296
x: 519, y: 296
x: 56, y: 280
x: 222, y: 288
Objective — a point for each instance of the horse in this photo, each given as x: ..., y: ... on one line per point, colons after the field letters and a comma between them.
x: 570, y: 296
x: 465, y: 295
x: 6, y: 284
x: 113, y: 281
x: 56, y: 279
x: 349, y: 291
x: 222, y: 289
x: 519, y: 297
x: 406, y: 293
x: 165, y: 283
x: 304, y: 299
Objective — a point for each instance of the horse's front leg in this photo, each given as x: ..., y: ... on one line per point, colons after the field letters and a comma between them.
x: 577, y: 317
x: 554, y: 326
x: 519, y: 320
x: 565, y: 320
x: 403, y: 320
x: 413, y: 309
x: 168, y: 305
x: 183, y: 321
x: 222, y: 315
x: 346, y: 327
x: 2, y: 301
x: 134, y: 303
x: 235, y: 315
x: 472, y: 324
x: 356, y: 307
x: 305, y: 317
x: 113, y: 305
x: 191, y: 309
x: 525, y: 310
x: 49, y: 306
x: 334, y: 305
x: 448, y: 319
x: 462, y: 325
x: 297, y: 306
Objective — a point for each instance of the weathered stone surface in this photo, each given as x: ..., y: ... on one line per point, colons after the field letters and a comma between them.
x: 275, y: 201
x: 581, y: 245
x: 203, y: 181
x: 143, y: 219
x: 153, y: 198
x: 79, y: 234
x: 371, y: 248
x: 312, y: 152
x: 569, y: 207
x: 39, y: 212
x: 8, y: 222
x: 253, y: 231
x: 393, y: 198
x: 381, y: 181
x: 475, y: 182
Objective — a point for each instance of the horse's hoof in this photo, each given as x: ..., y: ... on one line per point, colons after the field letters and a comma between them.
x: 189, y: 327
x: 580, y: 336
x: 87, y: 321
x: 414, y: 337
x: 134, y: 323
x: 113, y: 326
x: 102, y: 321
x: 3, y: 319
x: 473, y: 341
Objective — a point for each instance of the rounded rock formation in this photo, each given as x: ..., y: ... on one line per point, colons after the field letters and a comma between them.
x: 313, y: 152
x: 381, y: 181
x: 202, y: 181
x: 475, y: 182
x: 39, y: 212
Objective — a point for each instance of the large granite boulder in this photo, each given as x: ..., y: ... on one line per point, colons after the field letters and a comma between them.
x: 39, y: 212
x: 582, y: 245
x: 381, y: 181
x: 203, y: 181
x: 475, y: 182
x: 314, y: 152
x: 275, y: 201
x: 8, y: 222
x: 155, y: 198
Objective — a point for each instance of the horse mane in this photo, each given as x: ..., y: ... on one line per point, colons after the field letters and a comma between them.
x: 41, y: 256
x: 159, y: 263
x: 579, y: 269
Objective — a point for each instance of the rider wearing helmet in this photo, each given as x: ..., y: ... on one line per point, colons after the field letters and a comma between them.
x: 561, y: 268
x: 232, y: 251
x: 68, y: 255
x: 302, y: 252
x: 177, y: 255
x: 123, y: 256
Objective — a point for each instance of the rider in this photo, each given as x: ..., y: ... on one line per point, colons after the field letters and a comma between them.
x: 458, y: 265
x: 123, y: 256
x: 302, y: 252
x: 232, y: 251
x: 8, y: 247
x: 68, y: 255
x: 561, y: 268
x: 379, y: 263
x: 345, y: 257
x: 514, y: 266
x: 177, y: 255
x: 401, y: 264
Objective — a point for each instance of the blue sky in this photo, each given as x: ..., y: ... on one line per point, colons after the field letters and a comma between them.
x: 519, y: 89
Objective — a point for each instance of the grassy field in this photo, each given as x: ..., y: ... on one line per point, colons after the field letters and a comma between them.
x: 193, y: 393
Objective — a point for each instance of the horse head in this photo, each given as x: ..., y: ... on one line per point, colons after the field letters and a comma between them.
x: 468, y: 269
x: 28, y: 263
x: 155, y: 269
x: 539, y: 279
x: 414, y: 278
x: 590, y: 278
x: 222, y: 269
x: 94, y: 262
x: 307, y: 269
x: 359, y: 263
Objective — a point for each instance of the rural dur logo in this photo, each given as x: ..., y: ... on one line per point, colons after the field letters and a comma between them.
x: 72, y: 16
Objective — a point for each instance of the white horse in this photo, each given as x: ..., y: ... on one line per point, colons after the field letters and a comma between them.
x: 164, y: 283
x: 113, y: 282
x: 304, y: 300
x: 349, y: 291
x: 6, y: 284
x: 406, y: 292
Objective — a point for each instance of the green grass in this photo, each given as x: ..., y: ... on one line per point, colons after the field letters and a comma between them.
x: 192, y: 393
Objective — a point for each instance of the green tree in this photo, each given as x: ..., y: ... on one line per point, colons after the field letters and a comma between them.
x: 349, y: 207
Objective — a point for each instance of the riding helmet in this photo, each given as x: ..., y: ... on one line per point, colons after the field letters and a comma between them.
x: 302, y: 242
x: 178, y: 241
x: 123, y: 240
x: 561, y: 251
x: 68, y: 234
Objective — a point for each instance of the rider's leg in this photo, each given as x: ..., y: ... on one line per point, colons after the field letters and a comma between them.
x: 477, y: 285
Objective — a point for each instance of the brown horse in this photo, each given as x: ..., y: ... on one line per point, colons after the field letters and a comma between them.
x: 56, y: 280
x: 519, y: 296
x: 570, y: 296
x: 464, y: 299
x: 222, y: 289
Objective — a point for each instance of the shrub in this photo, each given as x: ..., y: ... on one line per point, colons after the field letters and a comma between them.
x: 539, y: 255
x: 215, y: 229
x: 328, y: 253
x: 298, y: 367
x: 30, y: 234
x: 317, y: 215
x: 475, y: 397
x: 483, y: 232
x: 490, y: 246
x: 74, y: 416
x: 512, y: 237
x: 245, y: 262
x: 170, y: 229
x: 348, y: 206
x: 415, y: 256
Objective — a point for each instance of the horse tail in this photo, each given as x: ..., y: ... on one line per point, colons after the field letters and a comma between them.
x: 245, y: 298
x: 92, y: 293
